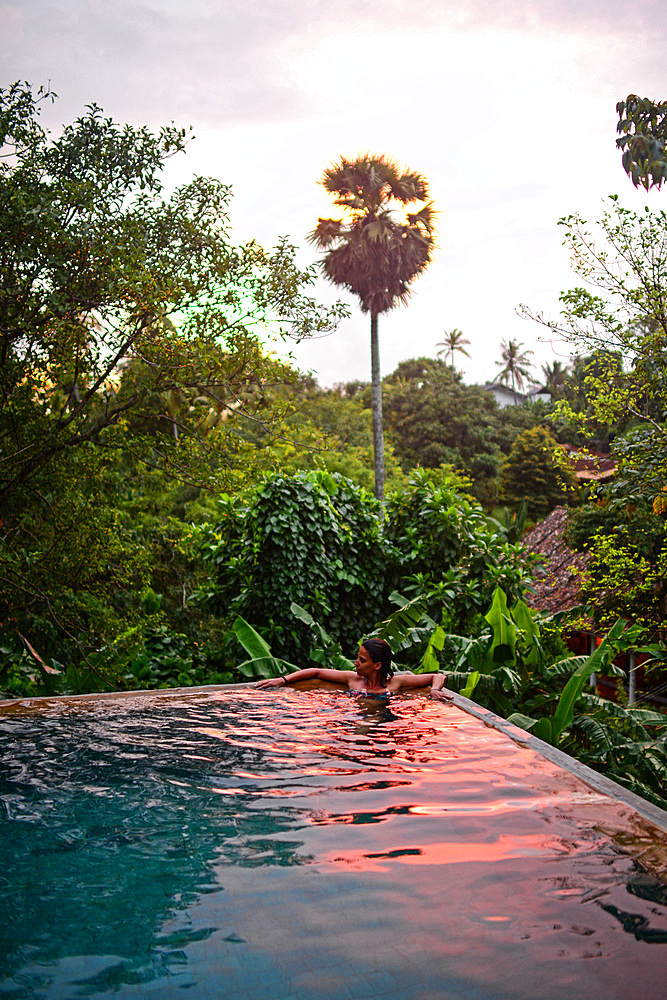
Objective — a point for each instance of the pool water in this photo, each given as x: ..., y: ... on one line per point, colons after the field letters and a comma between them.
x: 292, y: 845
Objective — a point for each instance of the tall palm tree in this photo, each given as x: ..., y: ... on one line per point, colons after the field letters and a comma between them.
x: 372, y: 252
x: 454, y: 341
x: 516, y: 366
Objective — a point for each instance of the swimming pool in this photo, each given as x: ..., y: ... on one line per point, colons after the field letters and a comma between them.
x: 298, y: 844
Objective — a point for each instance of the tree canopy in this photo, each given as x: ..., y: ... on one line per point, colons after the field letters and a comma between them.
x: 534, y: 475
x: 130, y: 345
x: 113, y: 296
x: 617, y: 319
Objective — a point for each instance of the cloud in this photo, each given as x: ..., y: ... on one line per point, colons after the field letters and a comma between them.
x: 238, y: 61
x: 508, y: 108
x: 212, y: 63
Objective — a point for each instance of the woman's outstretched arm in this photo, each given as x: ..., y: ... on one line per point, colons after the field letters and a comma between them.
x: 309, y: 674
x: 435, y: 681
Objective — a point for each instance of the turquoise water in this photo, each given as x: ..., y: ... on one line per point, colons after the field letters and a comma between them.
x: 294, y: 845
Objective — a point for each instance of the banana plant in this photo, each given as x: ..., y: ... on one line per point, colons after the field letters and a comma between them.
x: 326, y: 652
x: 261, y: 663
x: 551, y: 728
x: 409, y: 625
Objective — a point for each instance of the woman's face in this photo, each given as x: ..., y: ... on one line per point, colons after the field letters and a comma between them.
x: 363, y: 663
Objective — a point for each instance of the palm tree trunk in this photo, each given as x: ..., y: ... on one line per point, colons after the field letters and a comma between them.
x: 376, y: 386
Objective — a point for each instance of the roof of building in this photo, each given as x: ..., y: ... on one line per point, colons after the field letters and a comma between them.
x: 556, y: 583
x: 590, y: 466
x: 500, y: 389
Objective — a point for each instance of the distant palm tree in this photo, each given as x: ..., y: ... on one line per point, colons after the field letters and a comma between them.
x: 516, y: 366
x: 555, y: 374
x: 454, y: 341
x: 372, y: 253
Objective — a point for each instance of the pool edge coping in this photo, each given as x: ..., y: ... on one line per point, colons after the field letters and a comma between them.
x: 607, y: 786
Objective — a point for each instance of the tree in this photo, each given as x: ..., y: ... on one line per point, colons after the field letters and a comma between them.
x: 372, y: 253
x: 328, y: 429
x: 617, y: 319
x: 98, y: 271
x: 129, y: 327
x: 534, y: 475
x: 625, y: 571
x: 642, y: 128
x: 434, y: 421
x: 454, y: 341
x: 515, y: 364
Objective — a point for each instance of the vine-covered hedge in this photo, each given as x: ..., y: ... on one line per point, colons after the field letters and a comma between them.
x: 321, y: 542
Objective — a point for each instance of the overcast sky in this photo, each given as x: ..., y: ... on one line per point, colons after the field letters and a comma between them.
x: 507, y: 108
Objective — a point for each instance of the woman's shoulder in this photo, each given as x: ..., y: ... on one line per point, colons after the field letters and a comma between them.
x: 397, y: 679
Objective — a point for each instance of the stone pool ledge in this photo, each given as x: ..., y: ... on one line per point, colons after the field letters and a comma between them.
x: 521, y: 737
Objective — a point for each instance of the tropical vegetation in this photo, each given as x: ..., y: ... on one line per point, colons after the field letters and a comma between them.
x: 178, y: 506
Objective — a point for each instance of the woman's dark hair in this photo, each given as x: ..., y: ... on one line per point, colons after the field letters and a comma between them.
x: 380, y: 652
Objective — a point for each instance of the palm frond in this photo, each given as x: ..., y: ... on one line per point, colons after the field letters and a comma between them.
x: 326, y: 232
x: 401, y: 629
x: 566, y: 666
x: 599, y: 736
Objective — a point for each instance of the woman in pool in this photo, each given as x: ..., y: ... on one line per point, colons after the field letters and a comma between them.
x: 372, y: 676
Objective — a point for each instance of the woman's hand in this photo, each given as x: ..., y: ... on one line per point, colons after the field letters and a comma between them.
x: 441, y: 694
x: 272, y: 682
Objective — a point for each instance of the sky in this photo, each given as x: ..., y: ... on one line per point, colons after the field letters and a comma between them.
x: 507, y: 108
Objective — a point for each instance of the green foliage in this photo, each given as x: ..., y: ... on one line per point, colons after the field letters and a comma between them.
x: 642, y: 128
x: 326, y: 430
x: 161, y: 658
x: 408, y: 626
x: 535, y: 475
x: 22, y: 675
x: 642, y: 526
x: 435, y: 420
x: 310, y: 539
x: 324, y: 651
x: 130, y: 360
x: 620, y: 315
x: 619, y: 580
x: 448, y: 548
x: 261, y: 662
x: 96, y: 270
x: 629, y: 745
x: 551, y: 728
x: 321, y: 543
x: 140, y: 658
x: 627, y: 558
